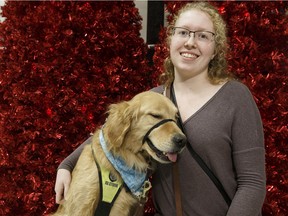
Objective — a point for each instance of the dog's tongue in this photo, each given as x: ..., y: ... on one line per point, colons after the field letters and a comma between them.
x: 172, y: 157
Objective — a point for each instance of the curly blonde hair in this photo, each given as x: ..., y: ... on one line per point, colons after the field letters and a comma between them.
x: 217, y: 71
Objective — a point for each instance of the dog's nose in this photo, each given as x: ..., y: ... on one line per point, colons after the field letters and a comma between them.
x: 180, y: 140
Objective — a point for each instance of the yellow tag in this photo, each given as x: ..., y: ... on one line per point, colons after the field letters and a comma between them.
x: 110, y: 185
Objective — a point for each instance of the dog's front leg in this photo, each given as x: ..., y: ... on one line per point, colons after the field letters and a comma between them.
x: 83, y: 194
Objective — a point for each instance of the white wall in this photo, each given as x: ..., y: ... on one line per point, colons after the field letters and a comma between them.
x: 142, y: 6
x: 1, y: 4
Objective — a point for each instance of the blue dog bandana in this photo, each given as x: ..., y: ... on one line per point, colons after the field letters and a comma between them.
x: 132, y: 178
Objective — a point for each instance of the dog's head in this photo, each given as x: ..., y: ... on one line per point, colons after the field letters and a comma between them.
x: 145, y: 124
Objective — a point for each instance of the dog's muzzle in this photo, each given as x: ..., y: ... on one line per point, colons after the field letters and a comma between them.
x: 160, y: 154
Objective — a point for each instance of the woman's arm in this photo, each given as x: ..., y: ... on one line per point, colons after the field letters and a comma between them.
x: 64, y: 171
x: 248, y: 158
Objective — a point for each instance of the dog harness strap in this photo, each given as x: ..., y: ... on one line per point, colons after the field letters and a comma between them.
x: 155, y: 126
x: 103, y: 209
x: 110, y: 188
x: 149, y: 142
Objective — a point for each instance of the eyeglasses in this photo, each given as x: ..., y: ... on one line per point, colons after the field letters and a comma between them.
x: 203, y: 36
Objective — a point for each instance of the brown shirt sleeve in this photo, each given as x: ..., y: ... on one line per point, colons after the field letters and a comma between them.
x: 70, y: 162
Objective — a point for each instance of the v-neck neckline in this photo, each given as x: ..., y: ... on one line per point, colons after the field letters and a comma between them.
x: 173, y: 97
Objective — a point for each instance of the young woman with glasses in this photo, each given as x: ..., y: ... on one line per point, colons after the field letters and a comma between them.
x: 219, y: 117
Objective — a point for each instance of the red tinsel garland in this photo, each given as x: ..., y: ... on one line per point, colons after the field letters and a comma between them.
x: 64, y: 62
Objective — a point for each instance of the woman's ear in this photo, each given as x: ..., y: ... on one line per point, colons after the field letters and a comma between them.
x: 212, y: 57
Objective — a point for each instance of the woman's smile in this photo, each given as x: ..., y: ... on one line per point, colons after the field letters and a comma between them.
x: 189, y: 55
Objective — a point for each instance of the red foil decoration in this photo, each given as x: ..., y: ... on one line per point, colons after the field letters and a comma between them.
x: 64, y: 62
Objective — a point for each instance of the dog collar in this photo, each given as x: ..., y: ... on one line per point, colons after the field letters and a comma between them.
x: 133, y: 179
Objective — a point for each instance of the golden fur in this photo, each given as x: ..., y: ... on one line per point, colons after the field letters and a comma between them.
x: 125, y: 127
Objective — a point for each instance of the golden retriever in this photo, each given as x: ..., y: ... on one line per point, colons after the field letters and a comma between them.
x: 139, y: 132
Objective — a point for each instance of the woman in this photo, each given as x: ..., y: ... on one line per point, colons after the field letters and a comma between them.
x: 220, y: 119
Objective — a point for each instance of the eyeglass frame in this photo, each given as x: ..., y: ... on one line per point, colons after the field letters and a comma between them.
x: 189, y: 32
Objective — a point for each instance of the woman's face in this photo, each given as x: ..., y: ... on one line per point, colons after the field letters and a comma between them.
x: 191, y: 55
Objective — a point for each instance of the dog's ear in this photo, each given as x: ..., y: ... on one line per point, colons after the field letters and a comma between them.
x: 118, y: 123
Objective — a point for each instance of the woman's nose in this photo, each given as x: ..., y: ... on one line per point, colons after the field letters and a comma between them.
x: 190, y: 41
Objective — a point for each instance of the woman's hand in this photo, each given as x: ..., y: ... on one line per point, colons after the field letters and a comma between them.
x: 62, y: 184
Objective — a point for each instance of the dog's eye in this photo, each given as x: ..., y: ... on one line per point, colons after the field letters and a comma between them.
x: 155, y: 115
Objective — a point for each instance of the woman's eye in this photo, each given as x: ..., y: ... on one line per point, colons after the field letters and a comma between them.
x: 183, y: 33
x: 202, y: 36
